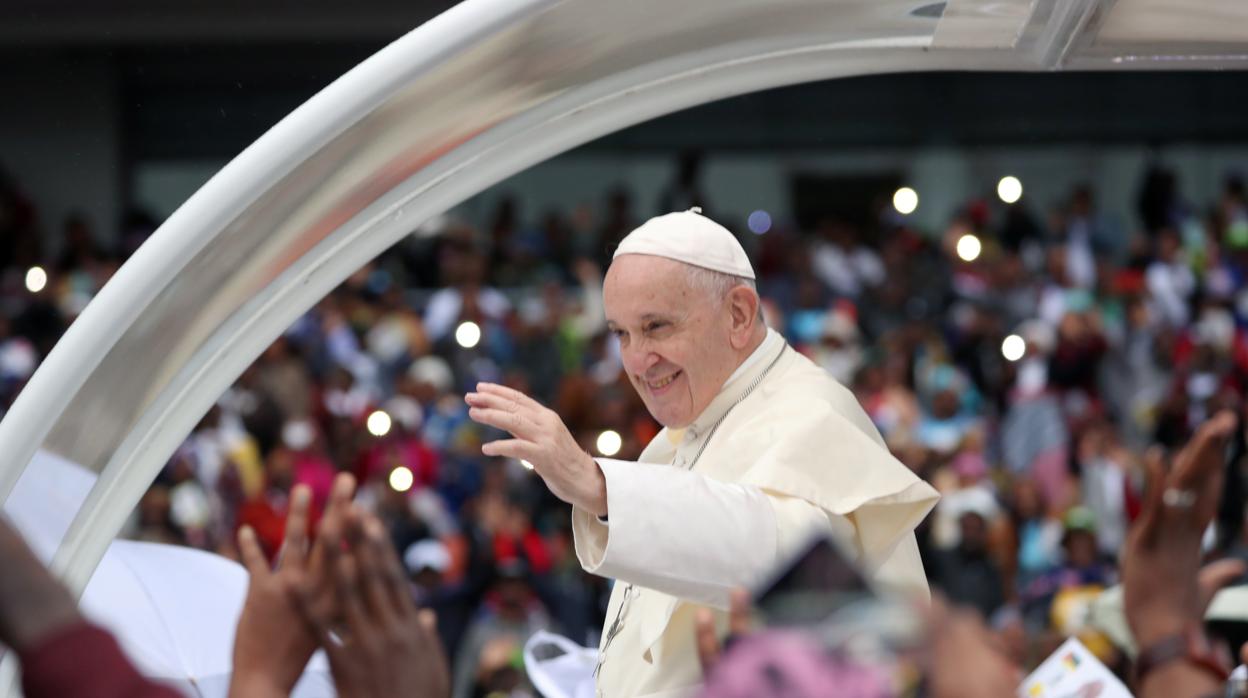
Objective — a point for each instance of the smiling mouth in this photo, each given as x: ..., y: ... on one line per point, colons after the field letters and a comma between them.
x: 663, y: 382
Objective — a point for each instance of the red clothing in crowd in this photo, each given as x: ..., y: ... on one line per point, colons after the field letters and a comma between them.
x: 266, y: 515
x: 530, y: 544
x: 408, y: 451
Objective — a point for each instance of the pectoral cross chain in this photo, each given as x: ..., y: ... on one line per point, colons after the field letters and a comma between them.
x: 616, y: 626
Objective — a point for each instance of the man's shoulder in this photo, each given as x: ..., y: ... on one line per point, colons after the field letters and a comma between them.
x: 803, y: 389
x: 805, y: 379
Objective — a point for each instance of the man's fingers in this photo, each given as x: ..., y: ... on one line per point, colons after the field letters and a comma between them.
x: 514, y: 402
x: 340, y: 495
x: 329, y: 536
x: 1205, y: 453
x: 512, y: 448
x: 318, y: 611
x: 367, y: 539
x: 497, y: 402
x: 347, y: 586
x: 346, y: 576
x: 517, y: 423
x: 708, y: 642
x: 509, y: 394
x: 317, y: 591
x: 393, y: 573
x: 428, y: 621
x: 252, y: 555
x: 295, y: 543
x: 1154, y: 486
x: 317, y: 602
x: 498, y: 417
x: 1216, y: 575
x: 329, y: 544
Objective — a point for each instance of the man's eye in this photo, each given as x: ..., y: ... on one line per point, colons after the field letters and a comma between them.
x: 655, y: 326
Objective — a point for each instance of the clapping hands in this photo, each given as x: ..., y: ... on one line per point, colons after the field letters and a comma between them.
x: 345, y: 592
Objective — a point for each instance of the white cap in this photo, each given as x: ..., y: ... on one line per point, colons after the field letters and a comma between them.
x: 426, y: 554
x: 692, y: 238
x: 298, y: 434
x: 406, y: 410
x: 432, y: 370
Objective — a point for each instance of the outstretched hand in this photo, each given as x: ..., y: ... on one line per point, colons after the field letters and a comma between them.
x: 1165, y: 591
x: 540, y: 438
x: 1161, y: 563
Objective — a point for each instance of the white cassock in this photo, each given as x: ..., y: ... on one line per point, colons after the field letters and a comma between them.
x: 796, y: 456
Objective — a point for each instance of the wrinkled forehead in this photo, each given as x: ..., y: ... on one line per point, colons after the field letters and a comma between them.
x: 639, y: 284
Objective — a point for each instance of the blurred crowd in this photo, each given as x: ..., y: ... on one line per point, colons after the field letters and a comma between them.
x: 1025, y: 382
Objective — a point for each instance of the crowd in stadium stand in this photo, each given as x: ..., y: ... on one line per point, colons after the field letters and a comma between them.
x: 1122, y: 335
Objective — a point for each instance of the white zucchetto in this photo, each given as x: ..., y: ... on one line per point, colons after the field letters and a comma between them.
x: 689, y: 237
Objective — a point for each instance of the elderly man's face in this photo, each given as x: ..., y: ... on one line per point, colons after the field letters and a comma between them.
x: 674, y: 338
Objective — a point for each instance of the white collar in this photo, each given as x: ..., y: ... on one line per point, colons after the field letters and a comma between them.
x: 764, y: 349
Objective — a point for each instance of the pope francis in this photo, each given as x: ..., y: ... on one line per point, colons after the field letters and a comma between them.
x: 760, y: 450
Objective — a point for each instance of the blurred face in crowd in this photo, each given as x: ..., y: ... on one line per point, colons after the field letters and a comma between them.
x: 1167, y: 245
x: 679, y: 343
x: 1080, y: 548
x: 427, y: 579
x: 512, y: 593
x: 279, y: 469
x: 1072, y: 328
x: 945, y: 404
x: 1056, y: 265
x: 974, y: 532
x: 1138, y: 316
x: 1027, y: 502
x: 1081, y: 202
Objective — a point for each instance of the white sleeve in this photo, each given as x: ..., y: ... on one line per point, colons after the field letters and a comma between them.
x: 693, y: 537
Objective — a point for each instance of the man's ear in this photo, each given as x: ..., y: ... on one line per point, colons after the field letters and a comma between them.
x: 743, y: 303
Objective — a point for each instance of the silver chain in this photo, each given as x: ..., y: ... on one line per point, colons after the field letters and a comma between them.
x: 744, y: 395
x: 618, y: 624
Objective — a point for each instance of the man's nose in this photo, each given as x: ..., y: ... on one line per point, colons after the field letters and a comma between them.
x: 638, y: 361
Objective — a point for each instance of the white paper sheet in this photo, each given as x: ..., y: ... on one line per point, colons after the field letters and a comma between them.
x: 1072, y: 672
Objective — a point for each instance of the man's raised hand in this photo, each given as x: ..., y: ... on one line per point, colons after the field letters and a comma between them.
x: 540, y: 438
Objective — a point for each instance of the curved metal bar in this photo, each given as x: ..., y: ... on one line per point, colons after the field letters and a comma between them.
x: 473, y: 96
x: 477, y: 94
